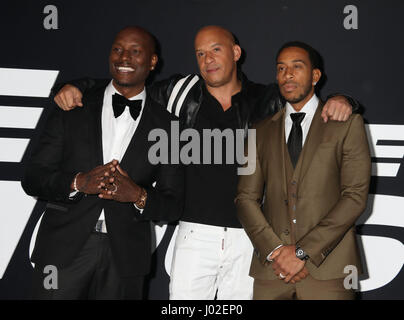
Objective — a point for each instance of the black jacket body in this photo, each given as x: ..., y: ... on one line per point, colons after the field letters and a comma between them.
x: 72, y: 142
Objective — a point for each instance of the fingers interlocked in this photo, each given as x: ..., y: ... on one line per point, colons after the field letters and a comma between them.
x: 109, y: 180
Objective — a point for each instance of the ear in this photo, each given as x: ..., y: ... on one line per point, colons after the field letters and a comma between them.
x: 153, y: 62
x: 316, y: 75
x: 236, y: 52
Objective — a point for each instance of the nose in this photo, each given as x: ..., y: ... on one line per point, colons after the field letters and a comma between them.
x: 209, y: 58
x: 125, y: 56
x: 289, y: 73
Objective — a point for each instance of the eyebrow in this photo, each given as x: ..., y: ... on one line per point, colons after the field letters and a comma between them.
x: 297, y: 60
x: 211, y: 46
x: 133, y: 45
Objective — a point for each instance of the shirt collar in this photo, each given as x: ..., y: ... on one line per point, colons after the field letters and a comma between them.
x: 141, y: 96
x: 309, y: 108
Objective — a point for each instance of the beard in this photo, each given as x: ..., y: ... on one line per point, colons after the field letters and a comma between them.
x: 302, y: 96
x: 124, y: 84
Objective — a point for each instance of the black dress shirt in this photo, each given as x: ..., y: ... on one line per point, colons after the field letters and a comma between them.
x: 211, y: 188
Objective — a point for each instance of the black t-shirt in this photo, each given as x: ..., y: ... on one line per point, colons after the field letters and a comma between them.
x: 211, y: 188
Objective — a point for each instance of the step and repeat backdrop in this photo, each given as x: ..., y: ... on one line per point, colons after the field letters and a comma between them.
x: 53, y: 41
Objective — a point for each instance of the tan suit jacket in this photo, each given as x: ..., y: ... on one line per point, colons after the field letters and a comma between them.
x: 315, y: 205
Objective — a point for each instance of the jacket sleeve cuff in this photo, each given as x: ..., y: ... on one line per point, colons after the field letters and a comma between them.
x: 264, y: 252
x: 269, y: 256
x: 62, y: 187
x: 315, y: 256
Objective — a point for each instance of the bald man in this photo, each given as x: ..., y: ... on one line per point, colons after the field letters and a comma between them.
x: 95, y: 232
x: 212, y: 253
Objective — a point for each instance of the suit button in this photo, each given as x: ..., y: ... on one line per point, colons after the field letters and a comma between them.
x: 286, y: 232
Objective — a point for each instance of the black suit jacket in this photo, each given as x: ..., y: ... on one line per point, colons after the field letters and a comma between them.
x: 71, y: 143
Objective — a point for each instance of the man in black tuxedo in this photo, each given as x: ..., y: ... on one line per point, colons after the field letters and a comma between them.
x: 96, y: 228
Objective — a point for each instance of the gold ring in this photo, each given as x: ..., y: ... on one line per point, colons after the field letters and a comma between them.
x: 116, y: 188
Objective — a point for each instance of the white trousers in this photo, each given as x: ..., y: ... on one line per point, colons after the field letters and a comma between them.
x: 211, y: 261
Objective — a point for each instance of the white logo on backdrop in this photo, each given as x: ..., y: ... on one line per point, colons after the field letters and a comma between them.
x: 16, y: 206
x: 393, y: 153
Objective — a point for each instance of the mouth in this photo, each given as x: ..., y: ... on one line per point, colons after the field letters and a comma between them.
x: 212, y: 69
x: 124, y: 69
x: 289, y: 87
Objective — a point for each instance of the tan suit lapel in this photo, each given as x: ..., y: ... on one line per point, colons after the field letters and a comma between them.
x: 278, y: 137
x: 313, y: 139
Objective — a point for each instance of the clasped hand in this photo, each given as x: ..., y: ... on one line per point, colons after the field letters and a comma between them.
x: 286, y: 263
x: 109, y: 181
x: 88, y: 182
x: 117, y: 185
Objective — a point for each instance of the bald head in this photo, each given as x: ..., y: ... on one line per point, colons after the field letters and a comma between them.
x: 217, y: 31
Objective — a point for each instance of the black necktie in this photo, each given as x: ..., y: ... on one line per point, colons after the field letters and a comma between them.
x: 295, y: 137
x: 119, y: 104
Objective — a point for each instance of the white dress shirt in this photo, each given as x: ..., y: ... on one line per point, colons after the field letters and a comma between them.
x: 117, y: 132
x: 309, y: 109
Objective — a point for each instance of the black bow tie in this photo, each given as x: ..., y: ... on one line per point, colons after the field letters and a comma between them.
x: 119, y: 104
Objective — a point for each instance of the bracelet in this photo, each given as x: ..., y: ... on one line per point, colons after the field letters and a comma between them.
x: 75, y: 182
x: 141, y: 202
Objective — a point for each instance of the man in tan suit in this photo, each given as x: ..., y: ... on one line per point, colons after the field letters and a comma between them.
x: 310, y: 185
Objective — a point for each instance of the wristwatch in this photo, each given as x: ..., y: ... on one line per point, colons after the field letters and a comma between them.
x: 301, y: 254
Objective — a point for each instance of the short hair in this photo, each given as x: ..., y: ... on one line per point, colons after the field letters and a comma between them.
x: 152, y: 39
x: 315, y: 58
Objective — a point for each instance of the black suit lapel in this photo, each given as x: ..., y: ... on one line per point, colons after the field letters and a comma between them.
x: 138, y: 146
x: 94, y: 104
